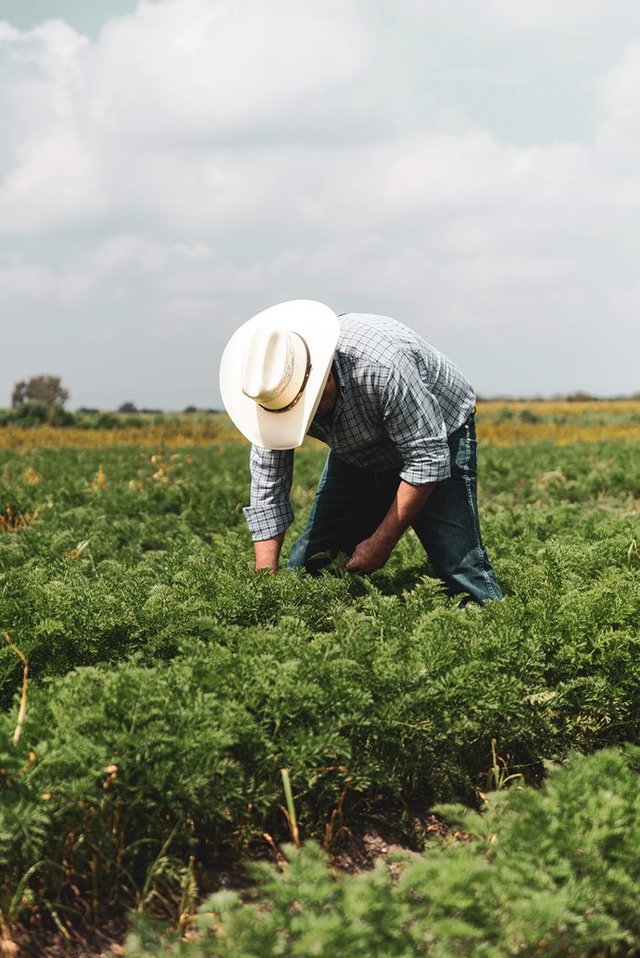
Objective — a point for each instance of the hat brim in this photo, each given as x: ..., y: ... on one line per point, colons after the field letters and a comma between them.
x: 319, y: 327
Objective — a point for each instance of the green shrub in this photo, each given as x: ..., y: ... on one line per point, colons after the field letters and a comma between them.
x: 548, y: 872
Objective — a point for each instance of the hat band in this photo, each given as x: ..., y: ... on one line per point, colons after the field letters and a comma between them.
x: 296, y: 398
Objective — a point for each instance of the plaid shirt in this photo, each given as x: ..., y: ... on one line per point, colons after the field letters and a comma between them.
x: 398, y: 401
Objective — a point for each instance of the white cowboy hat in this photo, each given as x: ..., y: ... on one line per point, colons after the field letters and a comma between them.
x: 274, y: 370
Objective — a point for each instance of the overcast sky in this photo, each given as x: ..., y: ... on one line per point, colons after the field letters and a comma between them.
x: 168, y: 169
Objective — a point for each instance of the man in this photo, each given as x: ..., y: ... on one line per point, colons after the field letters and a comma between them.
x: 398, y: 417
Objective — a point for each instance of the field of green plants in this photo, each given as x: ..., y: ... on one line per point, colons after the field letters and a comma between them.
x: 154, y: 687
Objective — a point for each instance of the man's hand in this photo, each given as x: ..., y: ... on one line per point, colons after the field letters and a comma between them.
x: 369, y: 555
x: 372, y: 553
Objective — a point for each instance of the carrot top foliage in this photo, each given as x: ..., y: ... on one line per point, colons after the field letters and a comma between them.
x: 548, y: 872
x: 169, y: 684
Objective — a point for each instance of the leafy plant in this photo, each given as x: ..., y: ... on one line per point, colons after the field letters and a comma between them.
x: 552, y: 871
x: 169, y: 685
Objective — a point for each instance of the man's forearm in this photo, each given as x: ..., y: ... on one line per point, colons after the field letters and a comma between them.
x: 408, y: 502
x: 267, y: 552
x: 372, y: 553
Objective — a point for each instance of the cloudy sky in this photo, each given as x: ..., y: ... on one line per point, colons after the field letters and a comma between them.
x: 170, y: 168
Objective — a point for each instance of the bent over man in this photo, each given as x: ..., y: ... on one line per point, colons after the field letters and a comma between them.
x: 398, y: 417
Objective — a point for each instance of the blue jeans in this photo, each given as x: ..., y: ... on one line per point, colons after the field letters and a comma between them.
x: 351, y: 502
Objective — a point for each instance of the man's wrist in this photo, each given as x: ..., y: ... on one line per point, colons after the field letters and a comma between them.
x: 386, y: 537
x: 267, y: 552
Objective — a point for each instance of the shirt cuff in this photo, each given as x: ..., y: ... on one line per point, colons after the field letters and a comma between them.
x: 268, y: 521
x: 424, y: 472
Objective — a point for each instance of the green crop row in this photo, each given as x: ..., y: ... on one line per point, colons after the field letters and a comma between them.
x: 550, y: 872
x: 168, y: 684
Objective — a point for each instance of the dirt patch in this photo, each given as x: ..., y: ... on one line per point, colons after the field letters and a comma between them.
x: 35, y: 941
x: 351, y: 852
x: 358, y: 851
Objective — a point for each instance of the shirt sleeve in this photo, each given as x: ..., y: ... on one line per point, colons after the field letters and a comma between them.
x: 269, y: 512
x: 414, y: 423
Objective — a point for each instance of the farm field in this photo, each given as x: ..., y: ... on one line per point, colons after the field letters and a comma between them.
x: 154, y: 688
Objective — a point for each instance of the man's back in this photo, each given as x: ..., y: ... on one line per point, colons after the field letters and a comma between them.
x: 399, y: 399
x: 373, y: 349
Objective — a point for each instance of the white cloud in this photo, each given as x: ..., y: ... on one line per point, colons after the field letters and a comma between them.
x: 198, y: 161
x: 547, y: 20
x: 192, y: 70
x: 619, y: 99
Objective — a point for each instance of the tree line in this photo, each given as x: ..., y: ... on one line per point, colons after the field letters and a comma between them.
x: 42, y: 398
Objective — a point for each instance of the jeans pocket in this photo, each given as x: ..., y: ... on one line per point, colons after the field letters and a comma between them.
x: 464, y: 456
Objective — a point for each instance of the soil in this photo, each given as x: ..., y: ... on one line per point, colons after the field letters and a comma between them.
x: 351, y: 852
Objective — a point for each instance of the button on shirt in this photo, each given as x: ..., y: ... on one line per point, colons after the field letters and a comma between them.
x: 398, y: 400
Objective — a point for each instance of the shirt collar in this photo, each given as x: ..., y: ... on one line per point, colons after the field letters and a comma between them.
x: 328, y: 422
x: 343, y: 386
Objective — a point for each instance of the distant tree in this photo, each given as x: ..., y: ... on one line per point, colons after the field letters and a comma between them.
x: 128, y: 407
x: 581, y: 396
x: 191, y: 409
x: 19, y: 395
x: 43, y: 390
